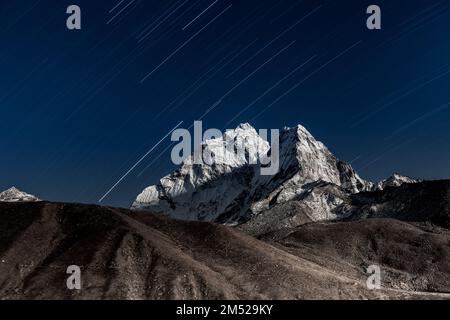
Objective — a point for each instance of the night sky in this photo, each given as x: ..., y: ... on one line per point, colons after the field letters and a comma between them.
x: 80, y: 108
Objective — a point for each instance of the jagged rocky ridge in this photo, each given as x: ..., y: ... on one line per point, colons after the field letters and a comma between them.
x: 235, y: 191
x: 15, y: 195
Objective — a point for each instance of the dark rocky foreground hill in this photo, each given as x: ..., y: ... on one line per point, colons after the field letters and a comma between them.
x: 133, y: 255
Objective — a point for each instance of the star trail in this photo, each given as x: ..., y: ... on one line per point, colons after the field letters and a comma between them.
x: 81, y: 107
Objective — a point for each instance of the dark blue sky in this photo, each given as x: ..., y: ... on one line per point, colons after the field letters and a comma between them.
x: 75, y: 114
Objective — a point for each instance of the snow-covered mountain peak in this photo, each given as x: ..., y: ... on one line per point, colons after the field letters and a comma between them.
x: 13, y: 190
x: 220, y: 153
x: 298, y: 129
x: 297, y: 133
x: 15, y: 195
x: 395, y: 180
x: 400, y: 178
x: 209, y: 181
x: 233, y: 190
x: 245, y: 132
x: 246, y: 126
x: 302, y: 140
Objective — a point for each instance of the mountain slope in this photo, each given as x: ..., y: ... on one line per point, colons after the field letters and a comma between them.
x: 126, y: 255
x: 413, y: 257
x: 133, y: 255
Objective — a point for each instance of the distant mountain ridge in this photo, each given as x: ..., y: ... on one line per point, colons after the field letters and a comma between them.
x: 15, y: 195
x: 422, y: 202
